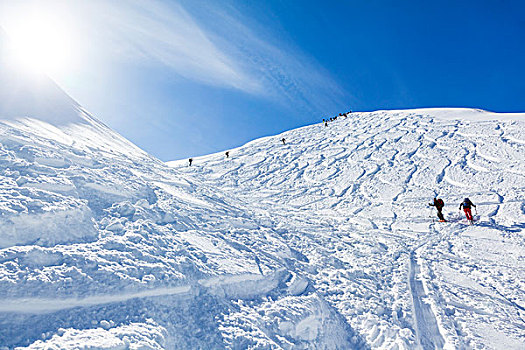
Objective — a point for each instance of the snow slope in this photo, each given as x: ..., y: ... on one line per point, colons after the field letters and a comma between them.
x: 324, y: 242
x: 352, y: 199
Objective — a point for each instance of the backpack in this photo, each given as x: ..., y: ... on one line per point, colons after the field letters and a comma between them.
x: 440, y: 202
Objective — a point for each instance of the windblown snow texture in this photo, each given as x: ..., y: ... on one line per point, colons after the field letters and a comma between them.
x: 324, y: 242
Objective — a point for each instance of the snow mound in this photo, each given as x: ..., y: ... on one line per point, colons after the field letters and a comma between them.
x: 136, y: 336
x: 32, y: 216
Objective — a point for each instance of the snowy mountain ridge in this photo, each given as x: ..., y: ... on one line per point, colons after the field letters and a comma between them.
x: 323, y: 242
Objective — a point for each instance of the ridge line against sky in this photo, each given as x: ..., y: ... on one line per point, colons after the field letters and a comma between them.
x: 183, y: 78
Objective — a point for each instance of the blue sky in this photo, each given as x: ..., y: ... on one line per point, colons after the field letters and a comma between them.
x: 187, y: 78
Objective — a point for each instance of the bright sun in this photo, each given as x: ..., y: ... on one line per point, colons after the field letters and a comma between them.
x: 41, y: 42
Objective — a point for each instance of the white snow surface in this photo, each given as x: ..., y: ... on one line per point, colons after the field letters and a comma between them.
x: 352, y: 199
x: 325, y: 242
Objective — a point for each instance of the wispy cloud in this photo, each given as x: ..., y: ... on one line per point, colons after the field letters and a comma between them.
x: 222, y: 48
x: 287, y: 74
x: 165, y: 33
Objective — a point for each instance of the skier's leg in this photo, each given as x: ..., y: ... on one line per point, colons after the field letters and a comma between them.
x: 440, y: 215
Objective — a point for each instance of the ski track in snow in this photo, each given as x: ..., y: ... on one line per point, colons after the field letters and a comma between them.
x: 427, y: 330
x: 308, y: 244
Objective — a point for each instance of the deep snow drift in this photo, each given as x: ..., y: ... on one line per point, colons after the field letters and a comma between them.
x: 325, y: 242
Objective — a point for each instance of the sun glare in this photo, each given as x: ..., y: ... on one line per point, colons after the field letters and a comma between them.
x: 41, y: 42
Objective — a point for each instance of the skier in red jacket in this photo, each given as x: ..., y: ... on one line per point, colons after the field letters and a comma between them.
x: 466, y: 205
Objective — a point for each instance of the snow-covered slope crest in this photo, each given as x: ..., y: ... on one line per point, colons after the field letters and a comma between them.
x: 352, y: 197
x: 464, y: 114
x: 30, y: 101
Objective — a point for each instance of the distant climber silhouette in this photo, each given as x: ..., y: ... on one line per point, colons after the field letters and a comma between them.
x: 227, y: 154
x: 190, y: 160
x: 284, y: 141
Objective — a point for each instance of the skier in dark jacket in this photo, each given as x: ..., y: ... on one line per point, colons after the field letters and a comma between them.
x: 466, y: 205
x: 439, y: 204
x: 283, y: 141
x: 190, y: 160
x: 227, y: 154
